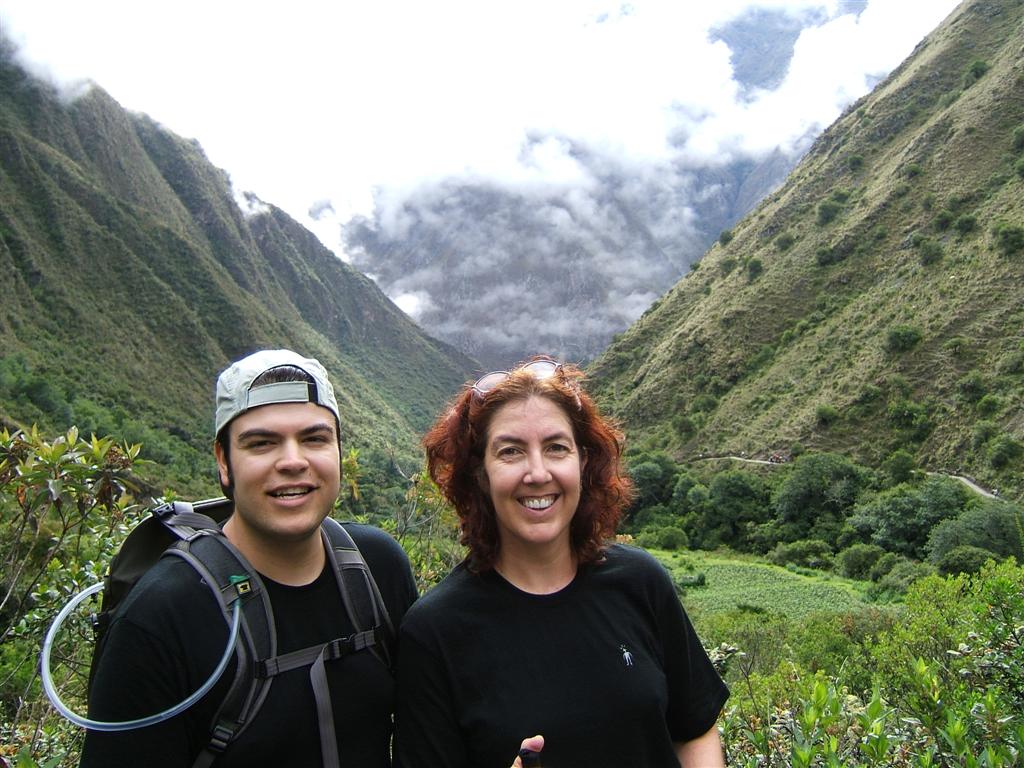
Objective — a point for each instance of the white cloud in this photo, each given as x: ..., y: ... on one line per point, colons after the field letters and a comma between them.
x: 363, y: 104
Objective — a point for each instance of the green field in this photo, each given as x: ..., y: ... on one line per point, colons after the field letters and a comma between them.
x: 737, y: 582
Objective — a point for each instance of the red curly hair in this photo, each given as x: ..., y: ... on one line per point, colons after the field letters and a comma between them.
x: 455, y: 456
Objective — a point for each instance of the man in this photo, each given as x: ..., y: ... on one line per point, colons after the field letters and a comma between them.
x: 279, y: 459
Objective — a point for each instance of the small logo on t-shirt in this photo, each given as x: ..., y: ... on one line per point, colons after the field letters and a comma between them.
x: 627, y: 657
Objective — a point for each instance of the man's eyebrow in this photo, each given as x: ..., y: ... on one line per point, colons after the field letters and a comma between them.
x: 257, y: 432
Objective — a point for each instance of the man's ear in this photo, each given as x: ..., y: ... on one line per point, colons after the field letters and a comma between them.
x: 223, y: 470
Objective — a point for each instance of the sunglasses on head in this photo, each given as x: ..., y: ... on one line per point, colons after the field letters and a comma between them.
x: 543, y: 368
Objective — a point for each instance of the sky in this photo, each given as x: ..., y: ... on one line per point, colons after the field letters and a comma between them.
x: 335, y: 110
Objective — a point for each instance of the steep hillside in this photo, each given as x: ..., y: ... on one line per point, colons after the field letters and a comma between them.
x: 132, y: 277
x: 875, y: 302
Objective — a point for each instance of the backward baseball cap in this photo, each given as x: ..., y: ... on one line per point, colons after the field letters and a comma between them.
x: 236, y: 393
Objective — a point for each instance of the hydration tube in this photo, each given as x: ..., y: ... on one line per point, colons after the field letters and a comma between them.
x: 127, y: 725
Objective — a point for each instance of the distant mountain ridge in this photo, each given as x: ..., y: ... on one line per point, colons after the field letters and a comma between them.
x: 132, y: 277
x: 504, y: 270
x: 875, y: 302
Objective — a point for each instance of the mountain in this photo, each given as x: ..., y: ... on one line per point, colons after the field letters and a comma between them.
x: 505, y: 269
x: 132, y: 276
x: 874, y: 303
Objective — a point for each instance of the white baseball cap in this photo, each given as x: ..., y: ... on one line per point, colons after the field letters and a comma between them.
x: 236, y: 394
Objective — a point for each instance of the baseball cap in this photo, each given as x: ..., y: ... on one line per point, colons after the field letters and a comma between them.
x: 236, y: 393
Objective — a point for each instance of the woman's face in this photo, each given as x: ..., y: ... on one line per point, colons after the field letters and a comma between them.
x: 532, y: 470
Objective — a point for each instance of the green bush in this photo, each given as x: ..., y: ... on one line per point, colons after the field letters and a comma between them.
x: 855, y: 162
x: 1018, y: 138
x: 966, y: 223
x: 975, y: 72
x: 784, y: 241
x: 964, y: 559
x: 972, y: 387
x: 827, y: 211
x: 990, y: 525
x: 943, y: 220
x: 725, y: 237
x: 857, y: 560
x: 898, y: 580
x: 929, y: 252
x: 989, y: 405
x: 884, y: 564
x: 809, y: 553
x: 754, y: 269
x: 1009, y: 238
x: 902, y: 338
x: 983, y: 432
x: 899, y: 466
x: 826, y: 414
x: 1003, y: 450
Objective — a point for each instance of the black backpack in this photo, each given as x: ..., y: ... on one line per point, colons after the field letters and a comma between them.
x: 193, y: 532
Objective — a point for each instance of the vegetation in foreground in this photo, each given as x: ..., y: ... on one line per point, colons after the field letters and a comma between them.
x: 831, y: 679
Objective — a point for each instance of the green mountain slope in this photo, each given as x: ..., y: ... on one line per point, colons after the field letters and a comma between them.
x: 131, y: 276
x: 876, y: 301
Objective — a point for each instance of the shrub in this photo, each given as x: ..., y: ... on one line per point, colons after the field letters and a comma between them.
x: 929, y: 252
x: 1002, y: 450
x: 983, y: 432
x: 810, y: 553
x: 726, y: 266
x: 964, y: 559
x: 899, y: 466
x: 667, y: 537
x: 989, y: 404
x: 975, y: 72
x: 1018, y: 138
x: 855, y: 162
x: 1019, y: 167
x: 902, y: 338
x: 725, y: 237
x: 912, y: 170
x: 754, y: 269
x: 943, y: 220
x: 785, y: 241
x: 966, y: 223
x: 899, y: 579
x: 826, y: 414
x: 857, y: 560
x: 827, y: 211
x: 884, y: 564
x: 1009, y: 238
x: 703, y: 403
x: 991, y: 525
x: 972, y: 387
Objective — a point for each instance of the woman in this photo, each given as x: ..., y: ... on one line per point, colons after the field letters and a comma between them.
x: 545, y: 628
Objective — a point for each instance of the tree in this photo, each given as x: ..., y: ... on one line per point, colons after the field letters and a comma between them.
x: 817, y: 495
x: 736, y: 501
x: 991, y: 525
x: 900, y: 519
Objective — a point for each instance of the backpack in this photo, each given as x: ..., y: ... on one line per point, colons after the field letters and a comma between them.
x: 193, y: 532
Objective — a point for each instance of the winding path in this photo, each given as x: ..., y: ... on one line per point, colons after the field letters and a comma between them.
x: 965, y: 480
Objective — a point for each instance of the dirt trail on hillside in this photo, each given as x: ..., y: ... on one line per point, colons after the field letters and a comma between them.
x: 993, y: 494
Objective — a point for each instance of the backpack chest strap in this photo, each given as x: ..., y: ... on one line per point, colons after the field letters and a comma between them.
x: 334, y: 649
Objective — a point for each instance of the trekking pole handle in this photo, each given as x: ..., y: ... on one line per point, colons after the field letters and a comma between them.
x: 142, y: 722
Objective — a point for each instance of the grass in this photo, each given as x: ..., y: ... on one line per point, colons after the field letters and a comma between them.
x: 738, y: 582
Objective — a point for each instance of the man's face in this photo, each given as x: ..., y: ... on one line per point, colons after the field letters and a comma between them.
x: 285, y: 468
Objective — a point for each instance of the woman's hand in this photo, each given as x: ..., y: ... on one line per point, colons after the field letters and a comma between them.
x: 534, y: 743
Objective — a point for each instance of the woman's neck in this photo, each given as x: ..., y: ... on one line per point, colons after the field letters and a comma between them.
x: 538, y: 571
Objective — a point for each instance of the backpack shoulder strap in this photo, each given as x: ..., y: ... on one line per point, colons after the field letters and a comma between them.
x: 359, y: 592
x: 230, y: 576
